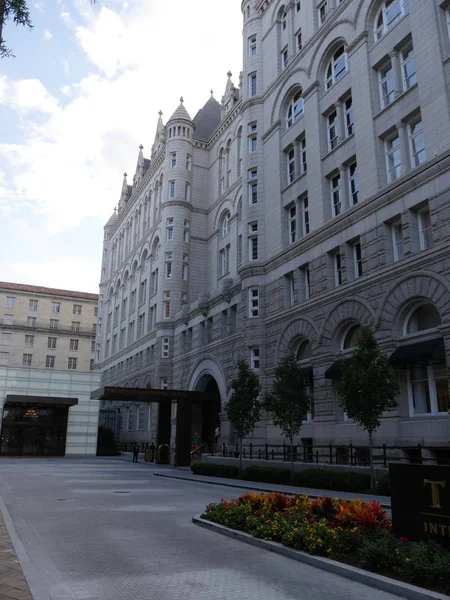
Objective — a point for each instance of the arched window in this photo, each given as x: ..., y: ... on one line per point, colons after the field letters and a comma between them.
x: 303, y: 355
x: 304, y: 351
x: 295, y: 109
x: 225, y: 223
x: 239, y: 210
x: 283, y: 19
x: 337, y: 67
x: 390, y: 13
x: 239, y: 152
x: 422, y: 318
x: 351, y: 337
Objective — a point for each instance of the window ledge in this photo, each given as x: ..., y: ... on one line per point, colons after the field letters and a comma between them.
x: 383, y: 37
x: 340, y: 145
x: 296, y: 180
x: 327, y: 91
x: 395, y: 101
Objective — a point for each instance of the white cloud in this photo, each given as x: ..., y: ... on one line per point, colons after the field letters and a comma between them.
x: 72, y: 273
x: 26, y: 95
x: 66, y: 90
x: 65, y: 66
x: 47, y: 34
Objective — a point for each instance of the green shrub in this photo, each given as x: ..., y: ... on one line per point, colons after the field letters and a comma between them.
x: 215, y: 470
x: 383, y: 487
x: 327, y: 479
x: 424, y: 562
x: 267, y: 475
x: 379, y: 552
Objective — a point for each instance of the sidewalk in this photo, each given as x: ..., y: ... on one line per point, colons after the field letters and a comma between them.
x: 185, y: 475
x: 13, y: 585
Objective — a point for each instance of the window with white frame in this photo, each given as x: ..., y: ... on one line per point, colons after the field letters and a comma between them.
x: 424, y: 317
x: 172, y: 189
x: 284, y: 58
x: 252, y: 85
x: 252, y: 49
x: 397, y: 240
x: 299, y: 41
x: 225, y: 224
x: 303, y: 162
x: 336, y: 195
x: 290, y: 165
x: 253, y: 127
x: 393, y: 157
x: 253, y: 187
x: 295, y: 109
x: 416, y: 142
x: 390, y: 13
x: 169, y: 229
x: 76, y: 325
x: 322, y: 11
x: 408, y: 66
x: 357, y: 260
x: 253, y: 241
x: 73, y: 344
x: 187, y: 192
x: 8, y: 319
x: 306, y: 277
x: 29, y: 341
x: 253, y: 302
x: 253, y: 143
x: 188, y: 162
x: 50, y: 362
x: 351, y: 337
x: 254, y: 359
x: 72, y: 363
x: 5, y: 339
x: 173, y: 159
x: 353, y: 183
x: 425, y: 229
x: 56, y: 307
x: 292, y: 223
x: 239, y: 250
x: 428, y: 390
x: 185, y: 268
x: 32, y: 304
x: 304, y: 205
x: 186, y: 226
x: 166, y: 304
x: 337, y: 267
x: 348, y: 117
x: 168, y: 265
x: 333, y: 130
x: 386, y: 84
x: 337, y: 67
x: 26, y: 360
x: 290, y: 289
x: 10, y: 301
x: 164, y: 383
x: 284, y: 20
x: 51, y: 342
x: 225, y: 260
x: 165, y: 345
x: 31, y: 321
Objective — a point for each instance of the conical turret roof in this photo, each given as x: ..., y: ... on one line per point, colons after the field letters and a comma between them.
x: 112, y: 219
x: 181, y: 113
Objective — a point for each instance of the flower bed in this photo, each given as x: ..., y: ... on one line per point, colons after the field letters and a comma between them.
x: 352, y: 531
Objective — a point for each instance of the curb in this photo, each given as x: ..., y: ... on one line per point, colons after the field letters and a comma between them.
x: 379, y: 582
x: 332, y: 493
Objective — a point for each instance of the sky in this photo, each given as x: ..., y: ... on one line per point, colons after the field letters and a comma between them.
x: 82, y: 93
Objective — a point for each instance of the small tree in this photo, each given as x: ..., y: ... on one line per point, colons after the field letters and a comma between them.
x: 288, y: 400
x: 18, y: 11
x: 243, y: 408
x: 368, y: 387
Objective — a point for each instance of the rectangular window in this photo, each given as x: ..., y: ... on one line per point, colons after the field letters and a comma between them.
x: 357, y: 260
x: 169, y: 229
x: 348, y: 116
x: 76, y: 325
x: 305, y: 273
x: 72, y: 363
x: 187, y: 192
x: 76, y: 309
x: 188, y: 162
x: 303, y: 163
x: 387, y: 85
x: 56, y: 307
x: 253, y: 300
x: 239, y: 250
x: 91, y: 364
x: 165, y: 347
x: 32, y: 305
x: 94, y: 326
x: 299, y: 41
x: 322, y: 11
x: 8, y: 319
x: 416, y: 143
x: 397, y: 240
x: 225, y: 260
x: 253, y: 241
x: 31, y: 321
x: 4, y: 356
x: 291, y: 165
x: 425, y: 229
x: 29, y: 341
x: 252, y: 127
x: 253, y: 143
x: 393, y: 158
x: 253, y: 84
x: 73, y: 344
x: 5, y: 339
x: 289, y: 291
x: 186, y: 231
x: 50, y: 362
x: 353, y: 183
x: 428, y: 390
x: 305, y: 215
x: 173, y: 159
x: 95, y: 311
x: 336, y: 199
x: 254, y: 359
x: 166, y: 304
x: 333, y: 136
x: 93, y: 346
x: 253, y: 192
x: 337, y: 265
x: 292, y: 224
x: 10, y: 301
x: 408, y: 65
x: 284, y: 58
x: 51, y: 342
x: 252, y: 45
x: 26, y: 360
x: 168, y: 265
x: 185, y: 270
x: 172, y: 189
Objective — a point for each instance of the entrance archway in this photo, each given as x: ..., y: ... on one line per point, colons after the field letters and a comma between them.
x: 205, y: 416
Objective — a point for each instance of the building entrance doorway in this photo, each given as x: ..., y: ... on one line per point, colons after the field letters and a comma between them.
x: 205, y: 416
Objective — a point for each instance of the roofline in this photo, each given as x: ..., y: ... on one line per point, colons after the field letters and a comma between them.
x: 46, y: 291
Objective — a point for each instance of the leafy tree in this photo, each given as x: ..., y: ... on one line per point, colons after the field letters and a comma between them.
x: 243, y: 408
x: 288, y: 400
x: 368, y: 387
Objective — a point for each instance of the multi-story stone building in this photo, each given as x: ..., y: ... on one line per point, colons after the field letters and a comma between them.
x: 47, y: 350
x: 313, y: 199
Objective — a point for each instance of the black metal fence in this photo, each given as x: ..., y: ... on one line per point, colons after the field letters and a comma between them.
x: 354, y: 455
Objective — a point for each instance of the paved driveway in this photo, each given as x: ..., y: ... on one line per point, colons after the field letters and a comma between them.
x: 109, y: 530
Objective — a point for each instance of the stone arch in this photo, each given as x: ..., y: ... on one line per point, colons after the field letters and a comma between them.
x: 286, y: 90
x: 226, y: 205
x: 356, y: 310
x: 300, y: 328
x: 421, y: 285
x: 147, y: 382
x: 326, y: 55
x: 277, y: 11
x: 209, y: 365
x: 136, y: 383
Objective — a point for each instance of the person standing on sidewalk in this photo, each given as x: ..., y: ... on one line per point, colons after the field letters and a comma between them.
x: 135, y: 453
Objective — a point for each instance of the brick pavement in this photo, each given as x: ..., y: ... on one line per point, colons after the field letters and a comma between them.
x: 13, y: 585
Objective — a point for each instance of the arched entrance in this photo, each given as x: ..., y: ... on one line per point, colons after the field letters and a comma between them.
x: 205, y: 416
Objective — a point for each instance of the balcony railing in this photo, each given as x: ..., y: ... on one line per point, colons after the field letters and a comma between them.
x: 46, y: 326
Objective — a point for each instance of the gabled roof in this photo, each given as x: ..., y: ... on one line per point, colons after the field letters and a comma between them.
x: 207, y: 119
x: 37, y: 289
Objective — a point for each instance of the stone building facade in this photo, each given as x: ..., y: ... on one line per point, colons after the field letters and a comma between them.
x: 47, y: 353
x: 313, y: 199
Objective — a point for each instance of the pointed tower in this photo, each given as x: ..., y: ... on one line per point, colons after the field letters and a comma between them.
x: 230, y: 97
x: 140, y: 166
x: 125, y: 194
x: 160, y: 136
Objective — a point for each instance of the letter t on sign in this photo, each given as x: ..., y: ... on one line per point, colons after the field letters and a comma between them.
x: 435, y: 485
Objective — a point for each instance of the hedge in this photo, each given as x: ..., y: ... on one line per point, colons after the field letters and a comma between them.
x: 215, y: 470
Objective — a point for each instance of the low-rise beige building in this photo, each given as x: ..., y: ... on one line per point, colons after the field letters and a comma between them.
x: 47, y: 352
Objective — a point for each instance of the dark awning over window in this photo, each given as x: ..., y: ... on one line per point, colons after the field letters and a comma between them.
x: 15, y: 399
x: 336, y: 369
x: 420, y: 353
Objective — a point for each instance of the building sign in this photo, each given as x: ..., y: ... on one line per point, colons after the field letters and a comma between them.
x: 144, y: 392
x: 420, y: 501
